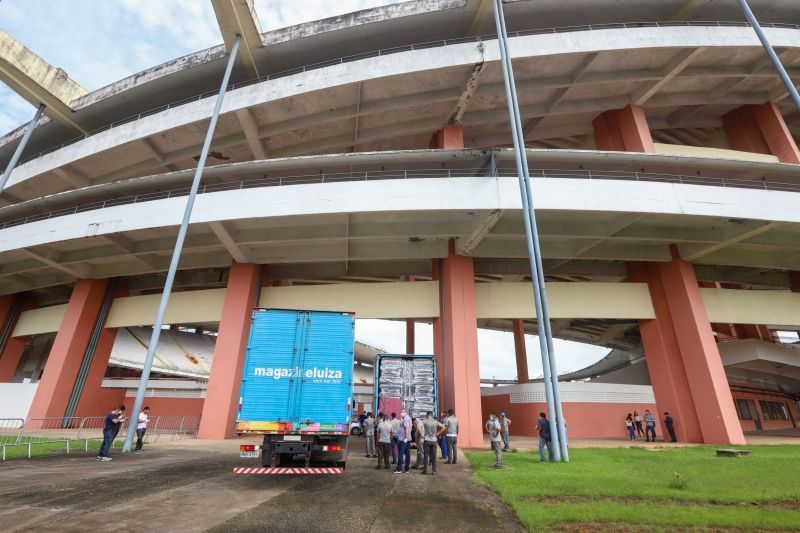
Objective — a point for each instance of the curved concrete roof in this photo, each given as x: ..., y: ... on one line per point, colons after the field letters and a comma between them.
x: 306, y: 164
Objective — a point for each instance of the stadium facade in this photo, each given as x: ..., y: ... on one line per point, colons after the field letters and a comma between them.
x: 362, y: 163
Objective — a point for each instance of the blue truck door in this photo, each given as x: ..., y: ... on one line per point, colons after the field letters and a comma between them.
x: 326, y: 366
x: 272, y: 351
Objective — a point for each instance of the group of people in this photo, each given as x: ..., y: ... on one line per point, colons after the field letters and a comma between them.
x: 634, y: 422
x: 112, y: 424
x: 392, y: 437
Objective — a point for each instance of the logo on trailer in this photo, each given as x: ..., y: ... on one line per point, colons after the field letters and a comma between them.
x: 316, y: 374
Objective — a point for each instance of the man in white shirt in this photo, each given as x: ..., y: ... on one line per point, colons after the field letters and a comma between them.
x: 451, y: 434
x: 141, y: 427
x: 369, y: 433
x: 494, y: 429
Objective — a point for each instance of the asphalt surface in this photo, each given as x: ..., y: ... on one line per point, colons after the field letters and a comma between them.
x: 189, y: 486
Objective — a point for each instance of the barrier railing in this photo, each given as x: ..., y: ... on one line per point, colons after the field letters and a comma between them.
x: 374, y: 175
x: 399, y: 49
x: 17, y: 432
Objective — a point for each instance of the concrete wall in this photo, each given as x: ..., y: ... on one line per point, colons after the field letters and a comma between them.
x: 590, y: 410
x: 16, y: 399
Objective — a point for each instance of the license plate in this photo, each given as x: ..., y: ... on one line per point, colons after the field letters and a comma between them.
x: 292, y: 437
x: 250, y: 454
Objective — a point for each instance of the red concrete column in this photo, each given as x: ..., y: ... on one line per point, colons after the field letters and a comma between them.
x: 438, y: 335
x: 623, y: 130
x: 69, y: 348
x: 518, y: 328
x: 222, y: 395
x: 11, y: 353
x: 450, y: 136
x: 683, y: 333
x: 460, y: 355
x: 664, y: 362
x: 761, y: 129
x: 410, y: 324
x: 794, y: 279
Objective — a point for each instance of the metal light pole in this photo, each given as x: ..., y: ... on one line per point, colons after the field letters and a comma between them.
x: 787, y: 81
x: 176, y: 253
x: 544, y: 318
x: 21, y: 146
x: 532, y: 241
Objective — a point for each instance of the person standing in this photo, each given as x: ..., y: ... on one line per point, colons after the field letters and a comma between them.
x: 419, y: 439
x: 443, y: 439
x: 361, y: 418
x: 543, y: 427
x: 637, y: 420
x: 141, y: 428
x: 505, y: 422
x: 432, y: 430
x: 670, y: 426
x: 395, y: 424
x: 495, y: 429
x: 650, y: 425
x: 629, y: 425
x: 452, y: 436
x: 384, y: 429
x: 403, y: 444
x: 113, y: 422
x: 369, y: 433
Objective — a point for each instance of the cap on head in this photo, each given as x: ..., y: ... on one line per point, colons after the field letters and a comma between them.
x: 502, y: 414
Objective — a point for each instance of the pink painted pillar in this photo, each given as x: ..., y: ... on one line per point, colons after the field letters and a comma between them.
x: 761, y: 129
x: 683, y: 325
x: 410, y: 323
x: 15, y: 346
x: 462, y: 390
x: 664, y: 362
x: 518, y: 328
x: 450, y: 136
x: 623, y: 130
x: 68, y: 350
x: 438, y: 335
x: 222, y: 395
x: 95, y: 400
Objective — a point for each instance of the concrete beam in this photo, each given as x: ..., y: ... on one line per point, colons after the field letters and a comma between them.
x: 158, y: 154
x: 128, y: 247
x: 470, y: 87
x: 38, y: 82
x: 250, y: 129
x: 673, y: 68
x: 751, y: 230
x: 469, y: 243
x: 227, y: 241
x: 71, y: 176
x: 238, y: 17
x: 483, y: 9
x: 52, y: 260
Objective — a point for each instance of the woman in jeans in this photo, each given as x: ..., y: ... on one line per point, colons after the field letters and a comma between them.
x: 631, y: 426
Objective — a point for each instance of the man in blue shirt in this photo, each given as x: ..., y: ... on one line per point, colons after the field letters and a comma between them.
x: 113, y: 422
x: 403, y: 443
x: 650, y: 425
x: 543, y: 426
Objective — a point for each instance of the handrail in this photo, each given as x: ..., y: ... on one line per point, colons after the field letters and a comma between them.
x: 395, y: 50
x: 376, y: 175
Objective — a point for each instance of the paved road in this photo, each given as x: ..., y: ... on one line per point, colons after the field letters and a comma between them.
x: 188, y: 486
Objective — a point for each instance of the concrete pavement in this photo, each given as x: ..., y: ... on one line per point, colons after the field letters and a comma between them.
x: 188, y: 486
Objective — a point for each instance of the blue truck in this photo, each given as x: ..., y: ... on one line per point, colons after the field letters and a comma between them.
x: 297, y: 389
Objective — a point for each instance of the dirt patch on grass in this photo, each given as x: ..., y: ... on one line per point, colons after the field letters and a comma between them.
x: 792, y: 505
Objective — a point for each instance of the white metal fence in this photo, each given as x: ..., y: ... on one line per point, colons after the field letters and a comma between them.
x: 76, y: 432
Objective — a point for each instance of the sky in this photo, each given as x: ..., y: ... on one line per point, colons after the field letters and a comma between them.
x: 98, y: 42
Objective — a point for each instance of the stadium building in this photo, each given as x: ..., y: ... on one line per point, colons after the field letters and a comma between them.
x: 362, y: 163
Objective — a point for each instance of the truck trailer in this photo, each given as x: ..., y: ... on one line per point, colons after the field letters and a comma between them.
x: 297, y: 390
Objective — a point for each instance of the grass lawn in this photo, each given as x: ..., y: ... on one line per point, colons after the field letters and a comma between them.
x: 53, y: 448
x: 634, y: 488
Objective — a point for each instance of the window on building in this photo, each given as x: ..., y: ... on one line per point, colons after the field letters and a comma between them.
x: 774, y: 410
x: 747, y: 409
